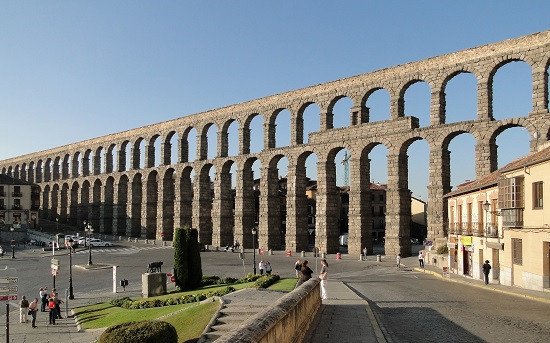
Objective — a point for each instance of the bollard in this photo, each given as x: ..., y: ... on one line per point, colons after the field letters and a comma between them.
x: 129, y: 239
x: 146, y: 241
x: 323, y: 255
x: 154, y: 242
x: 360, y: 257
x: 288, y: 253
x: 378, y: 258
x: 270, y: 252
x: 164, y: 244
x: 338, y: 256
x: 135, y: 240
x: 303, y: 253
x: 119, y: 238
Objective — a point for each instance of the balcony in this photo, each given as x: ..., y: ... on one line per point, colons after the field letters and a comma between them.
x: 512, y: 217
x: 491, y: 230
x: 16, y: 207
x: 17, y: 194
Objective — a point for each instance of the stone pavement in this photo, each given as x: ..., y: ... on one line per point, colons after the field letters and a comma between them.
x: 542, y: 296
x: 65, y: 330
x: 344, y: 317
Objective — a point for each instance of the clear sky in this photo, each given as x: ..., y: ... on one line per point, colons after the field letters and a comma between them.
x: 73, y: 70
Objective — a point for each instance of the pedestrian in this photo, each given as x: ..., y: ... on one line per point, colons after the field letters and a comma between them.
x: 268, y: 268
x: 324, y: 276
x: 365, y: 253
x: 1, y: 251
x: 53, y: 312
x: 261, y: 267
x: 58, y: 303
x: 486, y: 269
x: 23, y: 310
x: 305, y: 273
x: 44, y: 302
x: 298, y: 267
x: 398, y: 261
x: 33, y: 308
x: 421, y: 259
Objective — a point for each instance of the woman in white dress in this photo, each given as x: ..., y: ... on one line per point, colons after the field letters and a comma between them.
x: 324, y: 276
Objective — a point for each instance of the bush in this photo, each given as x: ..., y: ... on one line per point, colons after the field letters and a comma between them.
x: 146, y: 331
x: 249, y: 278
x: 121, y: 302
x: 266, y: 281
x: 210, y: 280
x: 442, y: 250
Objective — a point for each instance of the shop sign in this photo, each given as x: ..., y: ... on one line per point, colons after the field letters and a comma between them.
x: 466, y: 240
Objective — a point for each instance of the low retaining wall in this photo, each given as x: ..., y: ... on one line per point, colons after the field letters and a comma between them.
x: 286, y: 321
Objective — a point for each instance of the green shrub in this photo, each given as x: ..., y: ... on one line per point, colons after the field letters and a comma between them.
x: 120, y: 302
x: 146, y: 331
x: 181, y: 262
x: 266, y: 281
x: 249, y: 278
x: 210, y: 280
x: 442, y: 250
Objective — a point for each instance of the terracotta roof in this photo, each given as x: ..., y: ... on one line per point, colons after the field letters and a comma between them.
x: 534, y: 158
x: 492, y: 179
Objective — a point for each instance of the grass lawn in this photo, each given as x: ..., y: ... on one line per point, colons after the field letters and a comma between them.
x: 191, y: 322
x: 286, y: 285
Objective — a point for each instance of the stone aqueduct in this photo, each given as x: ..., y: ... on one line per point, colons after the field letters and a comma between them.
x: 150, y: 201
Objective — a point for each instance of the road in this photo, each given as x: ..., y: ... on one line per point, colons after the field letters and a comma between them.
x: 416, y: 307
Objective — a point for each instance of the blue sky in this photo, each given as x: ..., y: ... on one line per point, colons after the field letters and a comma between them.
x: 73, y: 70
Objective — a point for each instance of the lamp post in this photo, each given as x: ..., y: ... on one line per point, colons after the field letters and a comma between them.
x: 71, y: 246
x: 486, y: 206
x: 12, y: 243
x: 89, y: 232
x: 254, y: 248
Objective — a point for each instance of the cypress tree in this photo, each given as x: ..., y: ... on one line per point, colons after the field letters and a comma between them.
x: 194, y: 259
x: 181, y: 263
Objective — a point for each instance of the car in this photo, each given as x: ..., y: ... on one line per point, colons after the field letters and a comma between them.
x: 95, y: 242
x: 82, y: 240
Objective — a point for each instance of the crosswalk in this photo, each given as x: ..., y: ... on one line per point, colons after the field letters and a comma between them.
x: 124, y: 250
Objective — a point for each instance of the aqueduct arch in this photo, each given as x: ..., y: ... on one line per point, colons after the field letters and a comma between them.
x: 85, y: 181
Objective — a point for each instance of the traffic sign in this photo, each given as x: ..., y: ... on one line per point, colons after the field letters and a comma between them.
x: 54, y: 272
x: 8, y: 289
x: 55, y: 262
x: 8, y: 297
x: 8, y: 280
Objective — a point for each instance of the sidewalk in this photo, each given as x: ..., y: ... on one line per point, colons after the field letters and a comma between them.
x: 65, y: 329
x: 542, y: 296
x: 344, y: 317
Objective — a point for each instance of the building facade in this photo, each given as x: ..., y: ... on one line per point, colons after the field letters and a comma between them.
x: 502, y: 218
x: 19, y: 203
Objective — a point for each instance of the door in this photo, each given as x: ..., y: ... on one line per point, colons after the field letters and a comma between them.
x: 496, y: 265
x: 480, y: 262
x: 466, y: 262
x: 546, y: 264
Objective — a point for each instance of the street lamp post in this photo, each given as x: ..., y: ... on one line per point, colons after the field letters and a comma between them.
x: 254, y: 248
x: 486, y: 206
x: 12, y: 243
x: 71, y: 246
x: 89, y: 232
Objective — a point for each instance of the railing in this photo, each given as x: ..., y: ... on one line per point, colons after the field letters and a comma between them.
x: 17, y: 194
x: 491, y: 230
x: 16, y: 207
x: 512, y: 217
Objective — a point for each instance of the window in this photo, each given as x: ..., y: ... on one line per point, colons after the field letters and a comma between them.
x: 516, y: 251
x: 510, y: 192
x: 1, y: 204
x: 16, y: 203
x: 537, y: 195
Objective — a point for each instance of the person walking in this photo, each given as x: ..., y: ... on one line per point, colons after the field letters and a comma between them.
x: 398, y: 261
x: 58, y: 303
x: 33, y: 308
x: 23, y: 310
x: 324, y: 276
x: 305, y: 273
x: 486, y: 269
x: 261, y: 267
x: 298, y: 267
x: 268, y: 268
x: 53, y: 312
x: 421, y: 259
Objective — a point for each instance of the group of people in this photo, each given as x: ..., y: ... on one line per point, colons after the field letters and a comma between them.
x: 48, y: 300
x: 265, y: 267
x: 304, y: 273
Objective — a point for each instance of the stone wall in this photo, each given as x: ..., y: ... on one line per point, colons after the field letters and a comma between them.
x: 81, y: 181
x: 286, y: 321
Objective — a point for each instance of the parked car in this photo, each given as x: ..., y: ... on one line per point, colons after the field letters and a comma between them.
x: 95, y: 242
x: 82, y: 240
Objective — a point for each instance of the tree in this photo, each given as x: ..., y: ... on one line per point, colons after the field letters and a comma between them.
x: 187, y: 258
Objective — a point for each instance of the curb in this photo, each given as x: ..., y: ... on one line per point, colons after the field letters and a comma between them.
x: 376, y: 326
x: 503, y: 291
